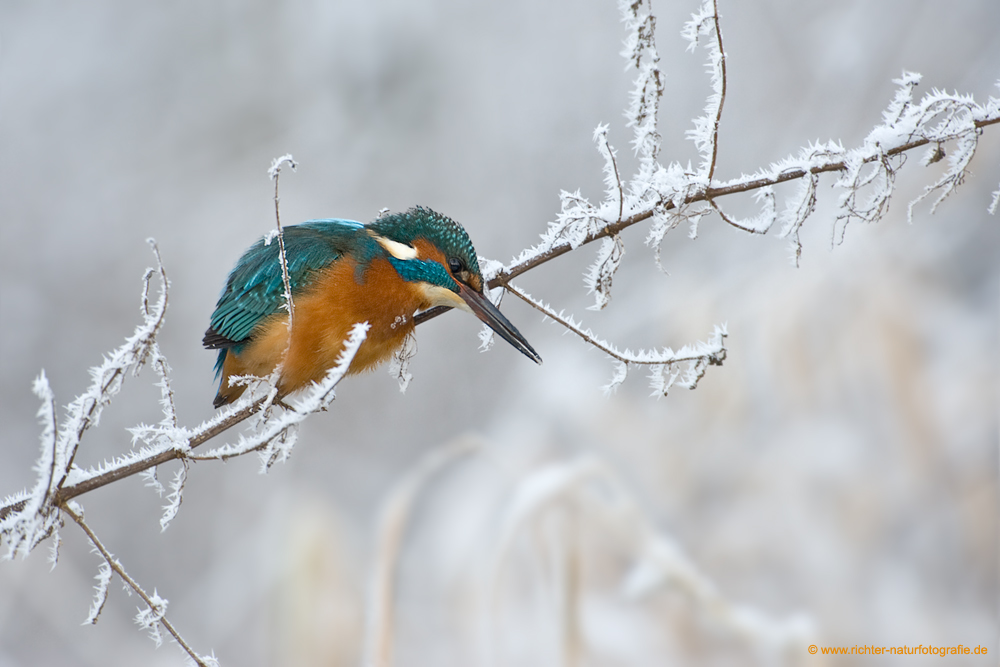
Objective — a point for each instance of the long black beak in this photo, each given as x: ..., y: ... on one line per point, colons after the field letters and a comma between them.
x: 494, y: 319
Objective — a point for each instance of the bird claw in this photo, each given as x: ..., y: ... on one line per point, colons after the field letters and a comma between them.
x: 281, y: 404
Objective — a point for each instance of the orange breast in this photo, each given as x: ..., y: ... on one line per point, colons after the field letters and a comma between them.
x: 324, y: 314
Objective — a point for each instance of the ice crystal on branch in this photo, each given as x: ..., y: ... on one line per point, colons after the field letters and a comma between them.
x: 705, y: 135
x: 612, y: 179
x: 797, y: 208
x: 278, y: 163
x: 149, y: 618
x: 760, y: 223
x: 664, y: 363
x: 151, y: 480
x: 490, y: 269
x: 175, y: 497
x: 602, y: 271
x: 275, y: 436
x: 644, y: 100
x: 103, y: 577
x: 399, y: 364
x: 39, y: 516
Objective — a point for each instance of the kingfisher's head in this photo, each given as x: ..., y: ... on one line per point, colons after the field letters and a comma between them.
x: 435, y: 253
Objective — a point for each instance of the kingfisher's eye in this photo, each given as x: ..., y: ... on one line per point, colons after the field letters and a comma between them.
x: 455, y: 265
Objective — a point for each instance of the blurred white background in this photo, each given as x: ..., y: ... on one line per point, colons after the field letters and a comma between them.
x: 842, y: 464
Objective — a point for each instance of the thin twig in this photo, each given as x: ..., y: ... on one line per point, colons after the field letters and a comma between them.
x: 275, y: 173
x: 594, y: 342
x: 614, y: 165
x: 97, y: 403
x: 132, y: 583
x: 729, y: 221
x: 722, y: 92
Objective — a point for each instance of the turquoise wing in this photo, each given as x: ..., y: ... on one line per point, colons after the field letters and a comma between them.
x: 255, y: 288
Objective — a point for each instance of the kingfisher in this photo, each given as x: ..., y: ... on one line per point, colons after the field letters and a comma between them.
x: 343, y: 272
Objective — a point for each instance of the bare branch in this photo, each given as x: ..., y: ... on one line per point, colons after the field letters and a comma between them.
x: 399, y: 365
x: 179, y: 444
x: 780, y: 174
x: 644, y: 102
x: 156, y: 606
x: 662, y: 362
x: 275, y: 172
x: 612, y: 179
x: 706, y: 131
x: 176, y: 496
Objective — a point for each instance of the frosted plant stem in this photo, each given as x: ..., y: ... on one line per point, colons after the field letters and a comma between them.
x: 115, y: 565
x: 592, y: 340
x: 275, y: 174
x: 717, y: 121
x: 722, y: 91
x: 735, y: 223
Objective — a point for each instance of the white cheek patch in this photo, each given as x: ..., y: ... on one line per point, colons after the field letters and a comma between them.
x: 397, y: 249
x: 441, y: 296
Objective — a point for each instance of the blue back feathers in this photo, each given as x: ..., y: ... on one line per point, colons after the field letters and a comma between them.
x: 255, y: 287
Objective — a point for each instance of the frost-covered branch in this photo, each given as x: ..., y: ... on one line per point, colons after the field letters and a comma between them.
x: 275, y: 173
x: 706, y: 127
x: 163, y: 445
x: 812, y: 161
x: 28, y: 518
x: 150, y: 618
x: 399, y: 365
x: 37, y: 515
x: 663, y: 363
x: 668, y: 195
x: 958, y: 118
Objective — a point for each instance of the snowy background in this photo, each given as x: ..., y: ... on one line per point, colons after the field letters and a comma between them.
x: 842, y: 465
